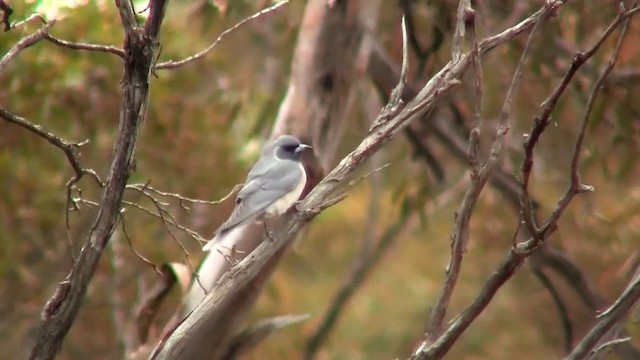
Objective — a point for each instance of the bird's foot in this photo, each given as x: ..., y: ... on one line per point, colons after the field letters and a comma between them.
x: 268, y: 233
x: 270, y: 236
x: 229, y: 253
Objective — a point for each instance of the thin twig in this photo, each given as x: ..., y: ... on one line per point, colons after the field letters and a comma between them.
x: 180, y: 197
x: 616, y: 314
x: 172, y: 220
x: 6, y: 14
x: 567, y: 326
x: 84, y: 46
x: 172, y: 64
x: 395, y: 103
x: 607, y: 345
x: 23, y: 44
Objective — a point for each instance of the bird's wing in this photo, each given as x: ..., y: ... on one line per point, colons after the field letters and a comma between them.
x: 262, y: 190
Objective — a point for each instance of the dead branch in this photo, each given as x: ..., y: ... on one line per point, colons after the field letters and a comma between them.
x: 23, y: 44
x: 62, y: 308
x: 84, y: 46
x: 608, y: 319
x: 567, y: 325
x: 524, y: 249
x: 479, y: 177
x: 172, y: 64
x: 70, y: 149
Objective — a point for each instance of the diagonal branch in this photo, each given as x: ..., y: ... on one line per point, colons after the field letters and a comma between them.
x: 70, y: 149
x: 23, y: 44
x: 610, y: 318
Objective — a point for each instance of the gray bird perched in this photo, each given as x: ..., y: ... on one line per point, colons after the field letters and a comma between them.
x: 272, y: 186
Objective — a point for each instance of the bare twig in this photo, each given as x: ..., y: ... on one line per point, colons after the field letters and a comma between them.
x: 395, y: 102
x: 62, y: 308
x: 567, y: 326
x: 170, y: 219
x: 123, y: 226
x: 181, y: 198
x: 614, y: 315
x: 172, y: 64
x: 24, y: 43
x: 70, y: 150
x: 607, y: 345
x: 84, y: 46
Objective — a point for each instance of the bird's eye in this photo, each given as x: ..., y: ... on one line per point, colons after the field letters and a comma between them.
x: 290, y: 148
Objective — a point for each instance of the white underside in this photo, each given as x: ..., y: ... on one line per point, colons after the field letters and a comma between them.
x: 281, y: 206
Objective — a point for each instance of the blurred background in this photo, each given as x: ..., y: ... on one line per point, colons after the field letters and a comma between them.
x: 206, y: 124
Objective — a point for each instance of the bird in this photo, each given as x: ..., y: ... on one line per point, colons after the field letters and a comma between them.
x: 272, y: 186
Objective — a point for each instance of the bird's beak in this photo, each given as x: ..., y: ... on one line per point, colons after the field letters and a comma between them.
x: 302, y: 147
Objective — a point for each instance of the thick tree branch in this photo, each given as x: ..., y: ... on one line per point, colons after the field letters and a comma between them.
x: 140, y: 47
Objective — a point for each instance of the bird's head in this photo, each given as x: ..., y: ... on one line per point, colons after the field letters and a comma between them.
x: 288, y: 147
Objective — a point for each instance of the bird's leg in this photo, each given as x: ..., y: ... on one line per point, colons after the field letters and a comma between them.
x: 269, y: 234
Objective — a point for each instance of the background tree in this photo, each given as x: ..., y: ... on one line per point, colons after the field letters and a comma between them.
x: 207, y: 119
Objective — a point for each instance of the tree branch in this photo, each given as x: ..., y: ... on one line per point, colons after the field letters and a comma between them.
x: 62, y: 308
x: 172, y: 64
x: 84, y: 46
x: 518, y: 254
x: 23, y: 44
x: 608, y: 319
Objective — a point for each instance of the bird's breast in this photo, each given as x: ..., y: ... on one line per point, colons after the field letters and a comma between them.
x: 284, y: 203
